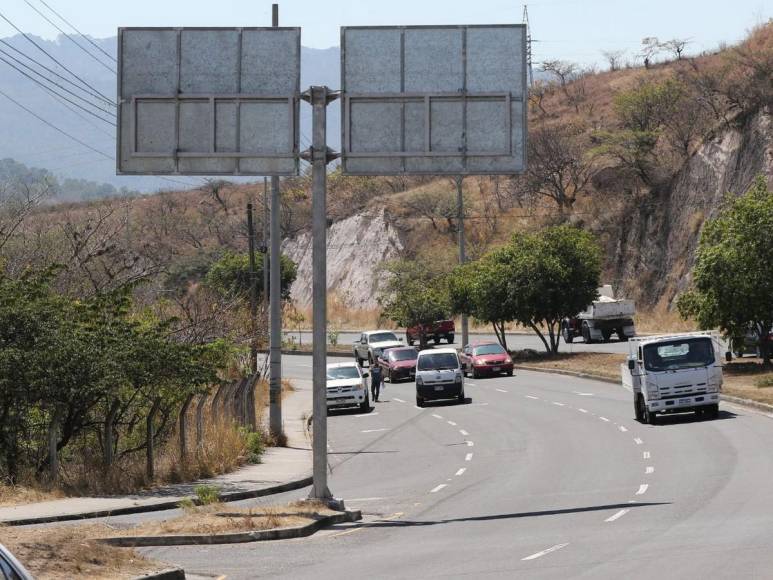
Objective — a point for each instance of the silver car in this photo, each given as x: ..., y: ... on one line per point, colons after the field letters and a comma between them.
x: 11, y: 568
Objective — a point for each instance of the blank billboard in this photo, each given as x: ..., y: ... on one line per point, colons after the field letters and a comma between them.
x: 208, y: 101
x: 433, y: 100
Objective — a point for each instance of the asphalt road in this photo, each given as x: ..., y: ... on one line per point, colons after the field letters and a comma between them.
x: 514, y: 341
x: 538, y: 476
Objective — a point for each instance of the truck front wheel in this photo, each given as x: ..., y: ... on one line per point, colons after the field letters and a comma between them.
x: 567, y: 333
x: 586, y: 334
x: 450, y: 338
x: 650, y: 418
x: 638, y: 408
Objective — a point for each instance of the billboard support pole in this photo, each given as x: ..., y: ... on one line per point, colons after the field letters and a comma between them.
x: 275, y: 300
x: 462, y: 254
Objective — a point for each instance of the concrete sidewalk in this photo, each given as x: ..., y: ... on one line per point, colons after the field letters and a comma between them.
x: 282, y: 469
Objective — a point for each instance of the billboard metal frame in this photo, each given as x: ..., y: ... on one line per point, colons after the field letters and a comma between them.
x: 293, y: 102
x: 402, y: 98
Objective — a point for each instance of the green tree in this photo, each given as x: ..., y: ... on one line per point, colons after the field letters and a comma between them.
x: 733, y: 271
x: 230, y: 275
x: 414, y: 295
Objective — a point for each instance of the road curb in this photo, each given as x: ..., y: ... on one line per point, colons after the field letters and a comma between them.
x: 310, y: 353
x: 162, y: 506
x: 727, y: 398
x: 237, y: 538
x: 167, y: 574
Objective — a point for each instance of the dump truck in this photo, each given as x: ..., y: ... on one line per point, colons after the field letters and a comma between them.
x: 604, y: 317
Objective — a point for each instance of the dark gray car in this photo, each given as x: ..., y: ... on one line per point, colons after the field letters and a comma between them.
x: 11, y: 568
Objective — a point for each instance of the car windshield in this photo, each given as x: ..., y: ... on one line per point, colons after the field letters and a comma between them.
x: 383, y: 337
x: 488, y: 349
x: 338, y: 373
x: 678, y: 354
x: 438, y: 362
x: 407, y: 354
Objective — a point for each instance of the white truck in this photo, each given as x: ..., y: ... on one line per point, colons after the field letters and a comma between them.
x: 674, y: 374
x: 604, y: 317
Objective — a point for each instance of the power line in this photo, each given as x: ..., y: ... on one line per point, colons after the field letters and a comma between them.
x: 68, y: 37
x: 94, y: 44
x: 50, y: 70
x: 63, y: 132
x: 44, y: 51
x: 4, y: 55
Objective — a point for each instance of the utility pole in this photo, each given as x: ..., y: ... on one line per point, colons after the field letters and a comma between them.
x: 462, y: 254
x: 528, y: 44
x: 275, y: 298
x: 264, y: 250
x: 253, y: 293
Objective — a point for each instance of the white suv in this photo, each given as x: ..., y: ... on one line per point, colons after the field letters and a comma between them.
x: 439, y: 376
x: 347, y: 386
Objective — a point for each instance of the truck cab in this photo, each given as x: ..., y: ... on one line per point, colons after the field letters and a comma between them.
x: 674, y: 374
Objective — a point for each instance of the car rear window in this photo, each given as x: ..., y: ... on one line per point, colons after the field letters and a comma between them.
x: 407, y: 354
x: 438, y: 361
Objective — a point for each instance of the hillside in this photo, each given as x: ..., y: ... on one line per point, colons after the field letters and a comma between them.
x: 639, y: 156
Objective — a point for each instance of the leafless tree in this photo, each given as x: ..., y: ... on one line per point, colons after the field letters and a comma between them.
x: 614, y: 58
x: 650, y: 47
x: 18, y: 198
x: 562, y: 69
x: 676, y: 46
x: 537, y: 93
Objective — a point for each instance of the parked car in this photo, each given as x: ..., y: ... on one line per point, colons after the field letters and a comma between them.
x: 486, y: 358
x: 439, y: 376
x: 347, y: 386
x: 749, y: 343
x: 437, y: 331
x: 399, y: 362
x: 11, y: 568
x: 372, y: 343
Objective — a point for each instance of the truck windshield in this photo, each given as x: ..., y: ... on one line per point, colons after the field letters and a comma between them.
x: 338, y: 373
x: 438, y: 362
x: 383, y: 337
x: 673, y: 355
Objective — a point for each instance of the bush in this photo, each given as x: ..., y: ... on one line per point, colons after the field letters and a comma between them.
x: 207, y: 494
x: 255, y: 446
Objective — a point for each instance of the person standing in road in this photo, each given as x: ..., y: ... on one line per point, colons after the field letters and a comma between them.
x: 376, y: 380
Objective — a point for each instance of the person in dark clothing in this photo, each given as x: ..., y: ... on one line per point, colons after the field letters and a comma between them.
x: 376, y: 380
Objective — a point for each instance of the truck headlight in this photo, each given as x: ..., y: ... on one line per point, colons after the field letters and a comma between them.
x: 458, y: 378
x: 419, y: 381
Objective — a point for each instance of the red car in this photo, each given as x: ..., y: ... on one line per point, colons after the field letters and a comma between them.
x: 399, y: 362
x: 486, y: 358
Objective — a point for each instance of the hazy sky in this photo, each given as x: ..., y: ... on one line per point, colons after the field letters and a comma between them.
x: 570, y: 29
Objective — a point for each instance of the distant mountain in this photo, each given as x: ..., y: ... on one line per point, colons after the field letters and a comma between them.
x: 29, y: 141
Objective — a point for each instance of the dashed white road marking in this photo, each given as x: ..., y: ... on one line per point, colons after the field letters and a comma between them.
x: 558, y: 404
x: 461, y: 471
x: 617, y: 516
x: 373, y: 430
x: 582, y: 410
x: 436, y: 416
x: 638, y: 441
x: 646, y: 455
x: 501, y: 390
x: 582, y: 394
x: 532, y: 397
x: 544, y: 552
x: 438, y: 488
x: 463, y: 432
x: 623, y: 429
x: 373, y: 414
x: 472, y: 384
x: 468, y: 457
x: 649, y: 470
x: 604, y: 419
x: 643, y: 489
x: 398, y: 400
x: 470, y: 444
x: 451, y: 423
x: 417, y: 407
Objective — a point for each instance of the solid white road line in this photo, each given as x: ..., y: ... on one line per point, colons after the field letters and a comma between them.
x: 438, y: 488
x: 398, y: 400
x: 559, y: 404
x: 373, y: 430
x: 649, y: 470
x: 642, y: 489
x: 544, y: 552
x: 461, y: 471
x: 532, y: 397
x: 638, y: 441
x: 646, y: 455
x: 451, y: 423
x: 618, y: 515
x: 623, y: 429
x: 463, y: 432
x: 582, y: 410
x: 436, y: 416
x: 468, y: 457
x: 373, y: 414
x: 501, y: 390
x: 604, y: 419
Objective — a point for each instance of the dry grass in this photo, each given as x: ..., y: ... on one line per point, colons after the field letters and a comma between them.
x: 662, y: 320
x: 220, y: 519
x: 66, y: 552
x: 593, y: 363
x: 749, y: 380
x: 20, y: 494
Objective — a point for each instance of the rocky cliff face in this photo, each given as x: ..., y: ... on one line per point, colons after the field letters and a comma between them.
x: 356, y: 246
x: 652, y: 253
